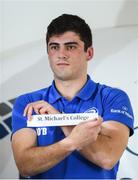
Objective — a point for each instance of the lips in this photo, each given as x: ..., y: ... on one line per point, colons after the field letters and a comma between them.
x: 62, y: 64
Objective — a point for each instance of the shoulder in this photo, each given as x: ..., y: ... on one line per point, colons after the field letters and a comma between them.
x: 107, y: 93
x: 18, y: 120
x: 112, y: 93
x: 116, y: 98
x: 117, y: 106
x: 31, y: 96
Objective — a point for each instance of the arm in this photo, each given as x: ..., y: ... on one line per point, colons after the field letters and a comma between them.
x: 103, y: 149
x: 32, y: 160
x: 109, y: 145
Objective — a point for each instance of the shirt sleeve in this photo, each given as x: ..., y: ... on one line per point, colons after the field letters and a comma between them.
x: 18, y: 120
x: 117, y: 107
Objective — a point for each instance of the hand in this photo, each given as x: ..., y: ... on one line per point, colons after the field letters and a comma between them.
x: 67, y: 129
x: 39, y: 107
x: 85, y: 133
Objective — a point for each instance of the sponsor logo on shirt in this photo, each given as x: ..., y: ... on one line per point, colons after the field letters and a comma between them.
x: 92, y: 110
x: 122, y: 111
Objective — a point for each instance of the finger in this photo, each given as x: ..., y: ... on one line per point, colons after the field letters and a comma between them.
x: 100, y: 118
x: 29, y: 113
x: 43, y: 110
x: 36, y: 110
x: 97, y: 121
x: 51, y: 110
x: 38, y: 107
x: 26, y: 109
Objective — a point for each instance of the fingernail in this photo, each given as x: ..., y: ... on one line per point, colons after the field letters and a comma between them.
x: 30, y: 118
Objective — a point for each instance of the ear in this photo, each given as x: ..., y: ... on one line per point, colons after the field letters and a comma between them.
x: 89, y: 53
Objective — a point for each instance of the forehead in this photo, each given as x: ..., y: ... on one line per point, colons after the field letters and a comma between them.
x: 65, y: 37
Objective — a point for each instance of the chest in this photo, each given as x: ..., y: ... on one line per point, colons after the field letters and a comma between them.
x: 80, y: 106
x: 50, y: 135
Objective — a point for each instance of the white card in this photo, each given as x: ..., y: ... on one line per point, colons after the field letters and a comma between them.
x: 60, y: 119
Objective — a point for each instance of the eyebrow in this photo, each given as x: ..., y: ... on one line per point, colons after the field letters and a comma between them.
x: 53, y: 43
x: 67, y: 43
x: 71, y: 43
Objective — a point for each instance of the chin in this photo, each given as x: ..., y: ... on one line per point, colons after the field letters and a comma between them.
x: 63, y: 77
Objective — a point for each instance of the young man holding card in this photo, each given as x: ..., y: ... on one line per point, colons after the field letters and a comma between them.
x: 88, y: 150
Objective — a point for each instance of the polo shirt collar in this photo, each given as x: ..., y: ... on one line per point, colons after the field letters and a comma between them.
x: 87, y: 90
x: 54, y: 95
x: 85, y: 93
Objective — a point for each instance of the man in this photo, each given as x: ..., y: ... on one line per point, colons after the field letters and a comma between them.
x: 89, y: 150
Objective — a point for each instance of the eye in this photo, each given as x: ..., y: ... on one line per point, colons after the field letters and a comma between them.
x: 71, y: 47
x: 54, y: 47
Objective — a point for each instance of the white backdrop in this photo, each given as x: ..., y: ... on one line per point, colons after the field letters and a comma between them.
x: 24, y: 64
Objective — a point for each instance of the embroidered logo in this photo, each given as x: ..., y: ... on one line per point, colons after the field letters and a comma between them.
x: 92, y: 110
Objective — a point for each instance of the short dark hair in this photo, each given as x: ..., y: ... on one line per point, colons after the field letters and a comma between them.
x: 69, y: 22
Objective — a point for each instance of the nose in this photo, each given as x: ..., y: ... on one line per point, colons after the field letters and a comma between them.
x: 62, y: 54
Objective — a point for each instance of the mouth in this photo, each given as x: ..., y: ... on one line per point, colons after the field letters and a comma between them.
x: 63, y: 64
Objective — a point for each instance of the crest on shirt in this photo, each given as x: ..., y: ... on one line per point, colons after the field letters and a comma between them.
x: 92, y: 110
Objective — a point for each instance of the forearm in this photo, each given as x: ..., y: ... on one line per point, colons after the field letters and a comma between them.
x: 99, y: 152
x: 36, y: 160
x: 109, y: 146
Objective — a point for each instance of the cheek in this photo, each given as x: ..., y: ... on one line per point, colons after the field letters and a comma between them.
x: 79, y: 54
x: 51, y: 54
x: 52, y: 57
x: 80, y: 57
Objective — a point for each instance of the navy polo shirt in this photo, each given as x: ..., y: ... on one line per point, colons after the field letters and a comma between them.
x: 110, y: 103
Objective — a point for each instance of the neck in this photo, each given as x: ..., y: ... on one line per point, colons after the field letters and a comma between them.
x: 70, y: 88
